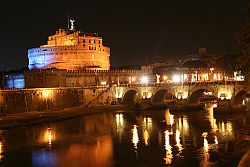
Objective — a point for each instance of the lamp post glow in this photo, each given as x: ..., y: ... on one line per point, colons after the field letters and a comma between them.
x: 103, y: 83
x: 164, y: 78
x: 144, y: 80
x: 176, y: 79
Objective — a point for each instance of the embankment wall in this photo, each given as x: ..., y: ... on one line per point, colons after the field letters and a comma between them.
x: 40, y: 99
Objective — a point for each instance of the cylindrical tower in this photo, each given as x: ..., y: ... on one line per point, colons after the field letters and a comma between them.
x: 71, y: 50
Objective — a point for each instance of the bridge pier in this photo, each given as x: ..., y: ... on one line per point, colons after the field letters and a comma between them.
x: 227, y: 94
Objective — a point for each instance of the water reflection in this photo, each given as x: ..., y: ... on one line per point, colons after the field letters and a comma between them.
x: 145, y: 137
x: 1, y: 150
x: 99, y: 152
x: 48, y: 137
x: 178, y: 141
x: 211, y: 119
x: 169, y: 117
x: 96, y: 140
x: 168, y: 148
x: 135, y: 139
x: 147, y: 122
x: 119, y: 120
x: 147, y: 128
x: 216, y: 140
x: 226, y: 130
x: 205, y: 161
x: 43, y: 158
x: 205, y: 142
x: 119, y: 125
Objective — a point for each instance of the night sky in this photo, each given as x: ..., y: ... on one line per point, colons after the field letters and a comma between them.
x: 136, y: 31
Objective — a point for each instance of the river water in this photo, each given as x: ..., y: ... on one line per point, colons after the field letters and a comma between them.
x: 120, y: 138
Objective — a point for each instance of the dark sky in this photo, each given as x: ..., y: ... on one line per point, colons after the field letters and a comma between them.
x: 137, y: 31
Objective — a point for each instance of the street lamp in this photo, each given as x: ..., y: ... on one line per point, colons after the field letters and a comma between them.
x: 103, y: 83
x: 144, y: 80
x: 176, y: 79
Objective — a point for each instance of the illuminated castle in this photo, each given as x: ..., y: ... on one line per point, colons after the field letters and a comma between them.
x: 71, y: 50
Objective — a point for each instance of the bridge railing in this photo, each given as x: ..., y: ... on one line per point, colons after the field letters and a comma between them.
x: 185, y: 83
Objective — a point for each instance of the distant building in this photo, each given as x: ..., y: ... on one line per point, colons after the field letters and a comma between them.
x: 71, y: 50
x: 203, y: 57
x: 14, y: 79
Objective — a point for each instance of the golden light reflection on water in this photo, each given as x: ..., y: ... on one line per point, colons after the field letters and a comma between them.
x: 1, y: 150
x: 178, y: 141
x: 226, y: 130
x: 145, y: 137
x: 147, y: 127
x: 212, y: 120
x: 205, y: 161
x: 169, y: 155
x: 49, y: 136
x: 98, y: 152
x: 169, y: 118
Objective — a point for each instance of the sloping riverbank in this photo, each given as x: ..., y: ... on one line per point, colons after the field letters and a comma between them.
x: 50, y: 116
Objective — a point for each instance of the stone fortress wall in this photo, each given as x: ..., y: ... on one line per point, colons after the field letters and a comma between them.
x: 82, y: 78
x: 71, y: 50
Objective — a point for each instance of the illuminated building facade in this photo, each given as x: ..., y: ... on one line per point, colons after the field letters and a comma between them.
x: 71, y: 50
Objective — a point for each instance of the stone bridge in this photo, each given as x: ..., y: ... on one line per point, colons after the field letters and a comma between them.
x: 233, y: 91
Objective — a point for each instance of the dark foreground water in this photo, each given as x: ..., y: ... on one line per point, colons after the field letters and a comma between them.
x: 152, y: 138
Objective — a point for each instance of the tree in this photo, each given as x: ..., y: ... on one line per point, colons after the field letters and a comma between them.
x: 243, y: 36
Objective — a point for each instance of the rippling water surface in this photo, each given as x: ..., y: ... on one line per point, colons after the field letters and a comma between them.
x: 152, y: 138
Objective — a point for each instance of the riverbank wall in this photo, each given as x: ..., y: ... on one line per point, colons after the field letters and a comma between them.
x: 41, y: 99
x: 49, y: 116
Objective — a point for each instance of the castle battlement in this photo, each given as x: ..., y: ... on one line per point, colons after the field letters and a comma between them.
x: 71, y: 50
x: 70, y: 78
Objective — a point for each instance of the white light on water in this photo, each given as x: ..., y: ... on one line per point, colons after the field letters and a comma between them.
x: 178, y: 141
x: 171, y: 119
x: 169, y: 155
x: 119, y: 119
x: 215, y: 140
x: 135, y: 138
x: 205, y: 142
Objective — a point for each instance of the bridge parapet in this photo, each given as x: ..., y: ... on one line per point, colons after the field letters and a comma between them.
x: 185, y: 83
x: 221, y: 90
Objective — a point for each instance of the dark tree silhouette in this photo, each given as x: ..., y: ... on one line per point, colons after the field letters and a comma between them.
x: 243, y: 36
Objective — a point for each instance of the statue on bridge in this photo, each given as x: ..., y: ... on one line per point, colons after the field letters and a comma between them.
x: 157, y: 78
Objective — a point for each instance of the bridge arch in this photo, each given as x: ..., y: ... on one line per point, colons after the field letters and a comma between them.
x: 239, y: 97
x: 129, y: 96
x: 161, y: 94
x: 197, y: 93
